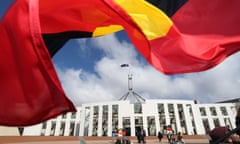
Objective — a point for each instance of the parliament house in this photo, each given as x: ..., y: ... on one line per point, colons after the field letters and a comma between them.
x: 152, y: 115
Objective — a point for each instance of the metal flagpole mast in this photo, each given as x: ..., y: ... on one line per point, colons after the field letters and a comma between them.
x: 130, y: 88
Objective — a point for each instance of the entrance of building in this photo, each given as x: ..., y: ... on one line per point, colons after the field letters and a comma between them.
x: 127, y: 126
x: 137, y: 130
x: 128, y: 131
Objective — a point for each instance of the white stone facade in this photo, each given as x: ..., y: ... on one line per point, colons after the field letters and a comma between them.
x: 9, y: 131
x: 100, y: 119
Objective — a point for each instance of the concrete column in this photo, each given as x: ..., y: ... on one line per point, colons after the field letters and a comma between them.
x: 57, y: 129
x: 120, y: 126
x: 67, y: 127
x: 132, y: 123
x: 109, y: 120
x: 100, y: 114
x: 145, y: 126
x: 187, y: 118
x: 90, y: 128
x: 231, y: 116
x: 166, y: 113
x: 198, y: 120
x: 48, y: 128
x: 176, y: 115
x: 220, y: 116
x: 210, y: 119
x: 82, y: 121
x: 157, y: 123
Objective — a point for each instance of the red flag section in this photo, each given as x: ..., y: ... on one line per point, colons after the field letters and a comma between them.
x: 30, y: 90
x: 203, y: 35
x: 197, y: 36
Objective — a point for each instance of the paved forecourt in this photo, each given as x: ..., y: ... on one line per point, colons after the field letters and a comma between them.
x: 197, y: 139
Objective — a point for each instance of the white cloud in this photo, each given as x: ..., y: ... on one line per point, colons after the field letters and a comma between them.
x: 110, y: 83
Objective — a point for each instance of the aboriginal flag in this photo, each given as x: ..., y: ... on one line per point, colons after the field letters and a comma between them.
x: 175, y: 36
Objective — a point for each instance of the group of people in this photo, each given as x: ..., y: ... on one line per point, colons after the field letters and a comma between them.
x: 123, y: 140
x: 121, y: 137
x: 171, y: 138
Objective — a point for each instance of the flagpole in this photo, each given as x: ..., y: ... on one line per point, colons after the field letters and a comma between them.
x: 139, y: 98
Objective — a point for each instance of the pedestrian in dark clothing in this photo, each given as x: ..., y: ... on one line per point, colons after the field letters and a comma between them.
x: 141, y: 136
x: 160, y: 136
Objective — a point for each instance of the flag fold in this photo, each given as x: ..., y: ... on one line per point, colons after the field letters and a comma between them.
x: 173, y: 36
x: 30, y: 90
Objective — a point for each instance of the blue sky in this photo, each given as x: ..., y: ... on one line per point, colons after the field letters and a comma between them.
x: 89, y: 70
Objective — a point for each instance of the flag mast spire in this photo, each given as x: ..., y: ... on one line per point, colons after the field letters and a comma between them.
x: 138, y: 98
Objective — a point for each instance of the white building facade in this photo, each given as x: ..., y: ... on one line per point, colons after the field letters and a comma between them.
x: 101, y: 119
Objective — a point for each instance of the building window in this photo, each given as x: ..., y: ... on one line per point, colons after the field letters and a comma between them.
x: 53, y: 127
x: 216, y: 122
x: 162, y: 118
x: 189, y: 106
x: 162, y: 121
x: 213, y: 111
x: 62, y: 128
x: 95, y: 110
x: 203, y: 111
x: 95, y: 120
x: 115, y: 109
x: 160, y: 108
x: 44, y: 126
x: 206, y: 125
x: 137, y: 108
x: 138, y: 123
x: 172, y: 116
x: 105, y: 120
x: 127, y: 125
x: 151, y: 126
x: 180, y: 111
x: 228, y: 123
x: 77, y: 128
x: 170, y: 109
x: 182, y: 118
x: 105, y: 109
x: 224, y: 111
x: 73, y: 116
x: 86, y: 121
x: 20, y: 130
x: 64, y: 116
x: 126, y: 121
x: 114, y: 117
x: 72, y: 128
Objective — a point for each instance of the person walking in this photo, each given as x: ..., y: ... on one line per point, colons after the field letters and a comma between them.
x: 180, y: 138
x: 170, y: 136
x: 141, y: 134
x: 160, y: 136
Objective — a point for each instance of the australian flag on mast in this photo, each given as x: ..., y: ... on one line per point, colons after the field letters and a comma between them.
x: 124, y: 65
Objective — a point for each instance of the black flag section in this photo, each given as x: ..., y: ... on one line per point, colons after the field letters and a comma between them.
x: 168, y: 6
